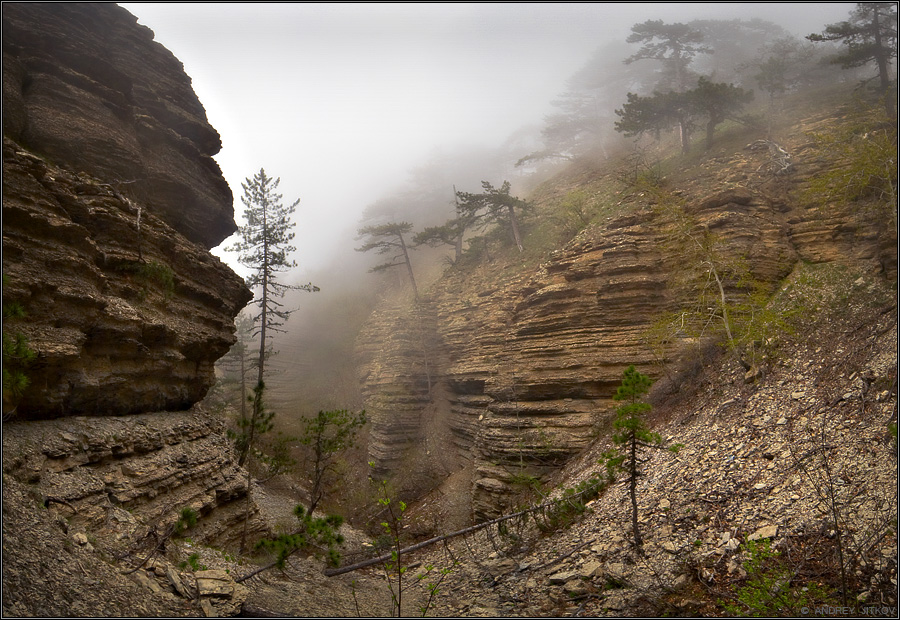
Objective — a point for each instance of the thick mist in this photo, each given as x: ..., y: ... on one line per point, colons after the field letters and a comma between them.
x: 372, y: 113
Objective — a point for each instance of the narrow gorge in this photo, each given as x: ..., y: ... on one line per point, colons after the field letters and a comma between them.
x: 487, y: 392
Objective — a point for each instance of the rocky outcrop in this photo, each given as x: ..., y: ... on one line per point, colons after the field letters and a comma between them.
x: 96, y: 489
x: 111, y: 200
x: 114, y: 476
x: 88, y: 88
x: 123, y: 317
x: 530, y: 361
x: 772, y: 462
x: 398, y: 357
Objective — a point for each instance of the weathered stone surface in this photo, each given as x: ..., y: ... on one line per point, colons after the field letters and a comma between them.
x: 767, y: 531
x: 214, y: 583
x: 119, y: 476
x: 175, y: 579
x: 122, y: 319
x: 111, y: 200
x: 87, y: 87
x: 528, y: 363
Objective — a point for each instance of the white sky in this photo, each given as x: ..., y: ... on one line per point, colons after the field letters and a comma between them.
x: 342, y: 100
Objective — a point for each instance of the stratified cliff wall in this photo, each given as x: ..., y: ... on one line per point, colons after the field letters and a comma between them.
x: 111, y: 200
x: 89, y: 89
x: 528, y: 361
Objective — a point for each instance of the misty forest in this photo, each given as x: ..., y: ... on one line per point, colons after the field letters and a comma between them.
x: 638, y: 359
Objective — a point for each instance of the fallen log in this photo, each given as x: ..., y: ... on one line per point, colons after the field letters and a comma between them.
x: 468, y: 530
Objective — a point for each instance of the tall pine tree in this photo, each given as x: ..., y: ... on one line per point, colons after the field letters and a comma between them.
x: 384, y: 238
x: 870, y: 35
x: 264, y: 247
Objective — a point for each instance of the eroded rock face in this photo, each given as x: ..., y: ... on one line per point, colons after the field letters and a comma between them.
x: 110, y: 201
x: 101, y: 472
x: 87, y: 87
x: 529, y: 366
x: 80, y: 491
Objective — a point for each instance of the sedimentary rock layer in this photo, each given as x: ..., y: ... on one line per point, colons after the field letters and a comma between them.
x: 529, y: 365
x: 124, y: 476
x: 87, y: 87
x: 111, y: 200
x: 124, y: 315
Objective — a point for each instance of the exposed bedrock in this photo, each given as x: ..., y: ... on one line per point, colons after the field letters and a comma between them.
x: 111, y: 200
x: 529, y: 366
x: 121, y: 477
x: 89, y: 89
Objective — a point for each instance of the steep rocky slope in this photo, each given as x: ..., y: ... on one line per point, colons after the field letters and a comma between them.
x: 527, y: 360
x: 804, y: 459
x: 772, y: 461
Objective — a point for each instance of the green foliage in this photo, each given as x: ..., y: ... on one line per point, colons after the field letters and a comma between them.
x: 711, y: 102
x: 639, y: 172
x: 575, y: 211
x: 493, y: 205
x: 784, y: 63
x: 450, y: 233
x: 726, y: 302
x: 260, y: 422
x: 186, y: 520
x: 17, y: 357
x: 326, y: 436
x: 717, y: 102
x: 389, y: 238
x: 674, y: 45
x: 870, y: 35
x: 526, y: 481
x: 158, y: 272
x: 632, y: 437
x: 864, y: 168
x: 392, y: 527
x: 266, y: 242
x: 264, y: 247
x: 572, y: 504
x: 651, y: 114
x: 150, y: 273
x: 194, y: 562
x: 319, y: 533
x: 769, y: 591
x: 433, y: 586
x: 275, y: 455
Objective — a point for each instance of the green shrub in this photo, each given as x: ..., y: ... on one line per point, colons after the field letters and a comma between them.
x: 17, y: 357
x: 769, y: 590
x: 312, y: 533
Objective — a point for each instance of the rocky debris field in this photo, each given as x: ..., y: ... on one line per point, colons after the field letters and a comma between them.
x: 771, y: 461
x: 780, y: 459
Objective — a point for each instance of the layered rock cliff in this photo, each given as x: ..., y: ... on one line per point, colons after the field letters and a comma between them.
x: 528, y: 361
x: 111, y: 200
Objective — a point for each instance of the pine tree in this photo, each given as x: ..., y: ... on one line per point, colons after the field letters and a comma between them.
x: 632, y: 438
x: 327, y: 435
x: 717, y: 102
x: 493, y: 205
x: 264, y: 247
x: 450, y: 232
x: 870, y: 35
x: 674, y: 45
x: 710, y: 101
x: 384, y: 238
